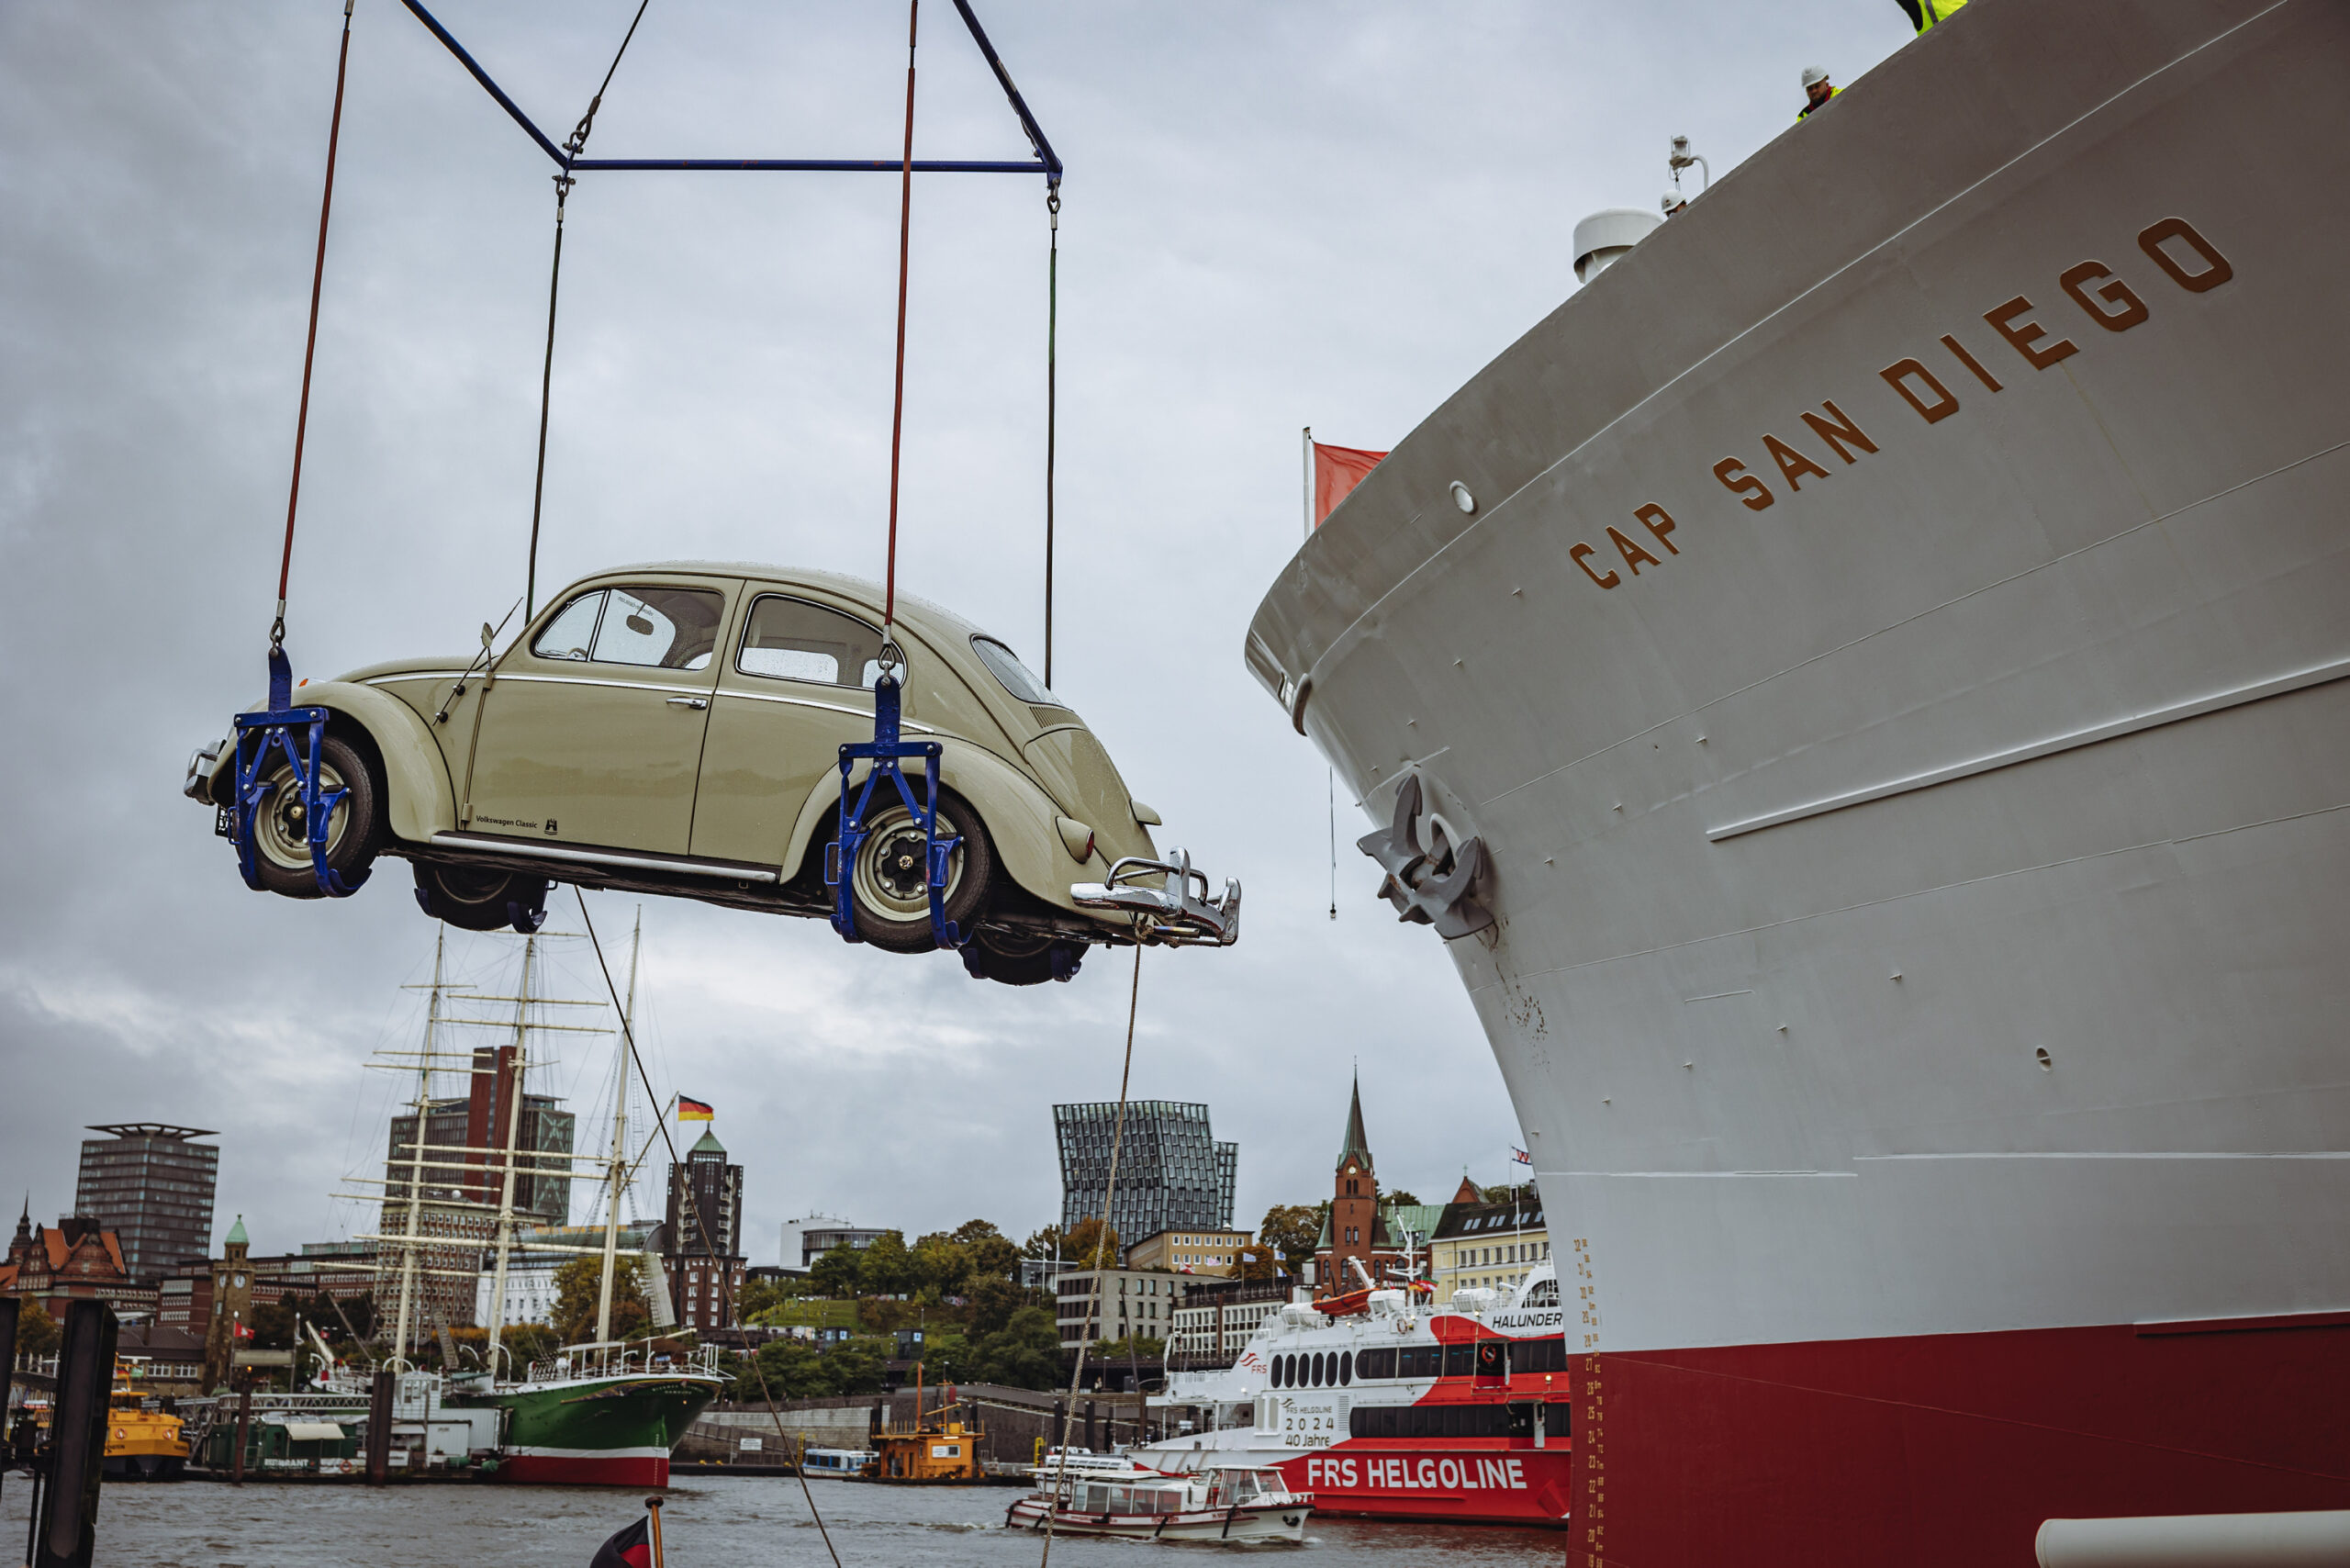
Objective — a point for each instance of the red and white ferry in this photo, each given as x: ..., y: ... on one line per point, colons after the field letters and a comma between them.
x: 1380, y: 1402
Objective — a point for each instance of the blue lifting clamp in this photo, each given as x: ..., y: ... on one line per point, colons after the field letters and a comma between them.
x: 883, y: 751
x: 273, y: 730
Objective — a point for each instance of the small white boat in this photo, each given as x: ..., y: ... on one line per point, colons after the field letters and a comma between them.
x: 1228, y: 1503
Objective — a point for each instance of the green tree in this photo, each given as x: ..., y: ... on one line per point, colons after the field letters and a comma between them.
x: 1024, y: 1353
x: 1402, y: 1198
x: 577, y: 1286
x: 994, y: 1300
x: 1092, y: 1244
x: 946, y: 1357
x: 522, y: 1343
x: 1505, y: 1192
x: 1044, y: 1243
x: 887, y: 1267
x: 272, y: 1326
x: 935, y: 1266
x: 37, y: 1331
x: 993, y: 1254
x: 1291, y: 1230
x: 1258, y: 1261
x: 786, y: 1369
x: 855, y: 1365
x: 838, y: 1273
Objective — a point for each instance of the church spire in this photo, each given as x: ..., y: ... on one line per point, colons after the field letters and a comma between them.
x: 1357, y: 1147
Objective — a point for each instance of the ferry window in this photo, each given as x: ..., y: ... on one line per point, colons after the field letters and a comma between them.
x: 1558, y: 1421
x: 1314, y: 1370
x: 789, y: 639
x: 1346, y: 1368
x: 1274, y: 1376
x: 1459, y: 1360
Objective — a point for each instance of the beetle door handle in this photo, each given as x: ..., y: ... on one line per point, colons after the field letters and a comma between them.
x: 688, y: 701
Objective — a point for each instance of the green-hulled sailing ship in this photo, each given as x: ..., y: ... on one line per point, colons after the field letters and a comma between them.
x: 606, y: 1412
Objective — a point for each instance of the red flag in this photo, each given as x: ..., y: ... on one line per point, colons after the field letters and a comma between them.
x: 1337, y: 471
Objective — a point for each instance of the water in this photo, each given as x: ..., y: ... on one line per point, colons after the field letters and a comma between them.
x: 706, y: 1522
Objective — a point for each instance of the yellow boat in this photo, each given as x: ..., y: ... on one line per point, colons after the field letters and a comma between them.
x: 141, y: 1444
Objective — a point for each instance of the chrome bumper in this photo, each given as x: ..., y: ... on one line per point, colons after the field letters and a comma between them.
x: 1176, y: 911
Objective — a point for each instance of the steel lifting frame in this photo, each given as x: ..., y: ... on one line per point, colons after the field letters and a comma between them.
x: 1046, y: 162
x: 273, y: 730
x: 884, y: 751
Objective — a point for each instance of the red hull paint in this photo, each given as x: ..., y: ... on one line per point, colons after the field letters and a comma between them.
x: 1404, y: 1479
x: 1948, y: 1450
x: 548, y: 1470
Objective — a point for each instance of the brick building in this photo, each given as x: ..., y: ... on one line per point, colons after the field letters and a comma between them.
x: 705, y: 1261
x: 71, y: 1260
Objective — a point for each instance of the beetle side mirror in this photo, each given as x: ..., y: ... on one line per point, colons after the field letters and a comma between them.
x: 488, y: 634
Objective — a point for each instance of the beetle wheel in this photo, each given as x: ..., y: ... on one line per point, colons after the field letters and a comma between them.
x: 889, y: 885
x: 355, y: 829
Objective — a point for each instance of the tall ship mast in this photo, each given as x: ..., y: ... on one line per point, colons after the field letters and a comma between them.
x: 603, y: 1412
x: 1858, y: 691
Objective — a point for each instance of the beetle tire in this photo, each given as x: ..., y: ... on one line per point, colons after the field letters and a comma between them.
x: 472, y: 899
x: 905, y: 928
x: 282, y: 858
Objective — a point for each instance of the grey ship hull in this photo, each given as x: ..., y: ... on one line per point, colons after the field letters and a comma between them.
x: 1920, y: 964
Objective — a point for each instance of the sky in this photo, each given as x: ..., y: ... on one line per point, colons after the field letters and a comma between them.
x: 1275, y: 215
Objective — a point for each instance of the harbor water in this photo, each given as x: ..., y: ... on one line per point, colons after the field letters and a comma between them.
x: 706, y: 1522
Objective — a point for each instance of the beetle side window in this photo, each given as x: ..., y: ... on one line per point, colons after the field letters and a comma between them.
x: 570, y: 635
x: 659, y: 628
x: 1017, y: 678
x: 791, y: 639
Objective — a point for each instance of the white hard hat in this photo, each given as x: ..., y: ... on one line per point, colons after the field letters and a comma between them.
x: 1673, y: 200
x: 1813, y: 75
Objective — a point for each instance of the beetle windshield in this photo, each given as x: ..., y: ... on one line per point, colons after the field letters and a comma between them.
x: 1017, y: 677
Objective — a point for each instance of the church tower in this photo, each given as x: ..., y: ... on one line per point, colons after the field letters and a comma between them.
x: 1354, y: 1207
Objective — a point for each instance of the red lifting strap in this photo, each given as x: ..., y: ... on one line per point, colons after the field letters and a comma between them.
x: 310, y: 349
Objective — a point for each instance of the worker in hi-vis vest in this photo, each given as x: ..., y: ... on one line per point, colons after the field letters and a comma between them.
x: 1924, y: 14
x: 1816, y: 89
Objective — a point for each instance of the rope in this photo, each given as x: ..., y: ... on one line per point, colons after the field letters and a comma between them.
x: 1052, y: 354
x: 310, y: 349
x: 1093, y: 1300
x: 700, y: 1225
x: 898, y: 404
x: 563, y: 183
x: 573, y: 146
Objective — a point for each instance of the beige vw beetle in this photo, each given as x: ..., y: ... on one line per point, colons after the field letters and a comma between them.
x: 676, y: 729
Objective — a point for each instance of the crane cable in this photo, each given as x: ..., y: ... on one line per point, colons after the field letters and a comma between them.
x: 701, y: 1225
x: 898, y: 402
x: 1052, y: 406
x: 573, y: 146
x: 1093, y: 1298
x: 310, y: 349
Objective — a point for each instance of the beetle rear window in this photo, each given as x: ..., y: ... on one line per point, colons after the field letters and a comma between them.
x: 1017, y: 677
x: 791, y: 639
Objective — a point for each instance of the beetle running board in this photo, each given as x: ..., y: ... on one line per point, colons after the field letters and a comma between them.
x: 1171, y: 912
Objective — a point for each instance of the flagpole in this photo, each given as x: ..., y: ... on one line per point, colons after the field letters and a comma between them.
x: 1308, y: 455
x: 1330, y: 775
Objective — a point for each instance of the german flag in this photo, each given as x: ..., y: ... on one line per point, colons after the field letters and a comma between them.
x: 694, y: 1110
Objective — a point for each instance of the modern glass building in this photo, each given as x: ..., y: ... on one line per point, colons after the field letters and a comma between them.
x: 152, y: 1187
x: 1171, y: 1171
